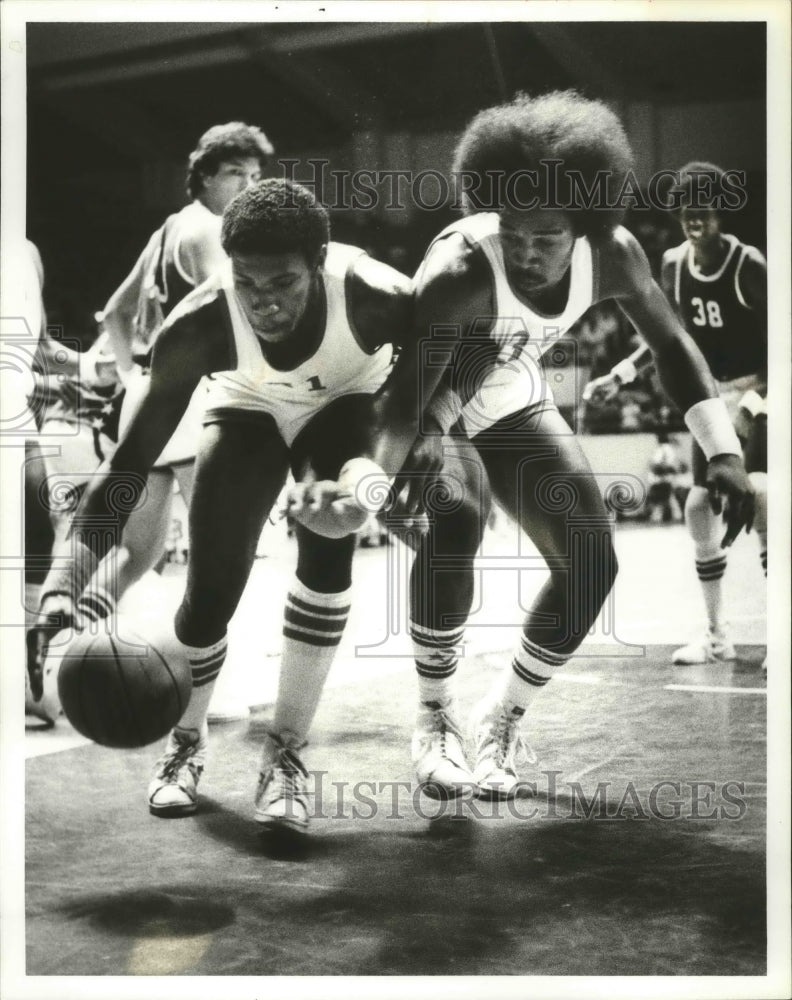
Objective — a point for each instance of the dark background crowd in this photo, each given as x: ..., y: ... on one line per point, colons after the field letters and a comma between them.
x: 113, y: 111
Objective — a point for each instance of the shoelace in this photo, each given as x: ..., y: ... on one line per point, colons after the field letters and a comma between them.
x: 287, y: 771
x: 174, y: 762
x: 510, y: 742
x: 446, y: 725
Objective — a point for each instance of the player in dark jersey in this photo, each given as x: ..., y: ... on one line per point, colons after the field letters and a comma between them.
x: 299, y: 330
x: 718, y: 286
x: 506, y: 285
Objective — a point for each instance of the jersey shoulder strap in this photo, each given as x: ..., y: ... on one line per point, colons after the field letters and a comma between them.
x: 153, y: 289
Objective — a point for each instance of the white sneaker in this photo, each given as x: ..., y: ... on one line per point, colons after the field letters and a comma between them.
x: 496, y: 737
x: 173, y: 789
x: 714, y: 647
x: 282, y: 793
x: 438, y: 756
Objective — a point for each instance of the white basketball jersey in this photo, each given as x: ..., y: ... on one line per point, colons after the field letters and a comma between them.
x: 523, y: 335
x: 341, y: 364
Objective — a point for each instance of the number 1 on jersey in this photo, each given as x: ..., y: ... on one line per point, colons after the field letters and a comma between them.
x: 315, y: 384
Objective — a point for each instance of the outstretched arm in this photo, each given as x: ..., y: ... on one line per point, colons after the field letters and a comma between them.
x: 178, y: 364
x: 405, y: 441
x: 606, y: 387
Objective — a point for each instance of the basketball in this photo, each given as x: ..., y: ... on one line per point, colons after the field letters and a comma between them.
x: 119, y: 689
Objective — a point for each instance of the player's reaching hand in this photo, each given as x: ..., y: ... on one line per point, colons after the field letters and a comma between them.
x: 731, y: 494
x: 420, y: 469
x: 602, y: 390
x: 325, y: 507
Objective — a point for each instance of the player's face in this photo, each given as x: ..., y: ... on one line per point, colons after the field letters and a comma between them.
x: 273, y: 290
x: 700, y: 225
x: 232, y: 178
x: 537, y: 248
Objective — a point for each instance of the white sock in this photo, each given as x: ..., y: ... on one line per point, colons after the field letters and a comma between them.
x: 531, y: 668
x: 205, y: 665
x: 706, y: 530
x: 436, y: 653
x: 312, y: 629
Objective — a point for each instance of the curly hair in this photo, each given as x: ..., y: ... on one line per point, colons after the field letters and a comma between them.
x: 275, y: 216
x: 699, y: 186
x: 221, y: 143
x: 581, y: 140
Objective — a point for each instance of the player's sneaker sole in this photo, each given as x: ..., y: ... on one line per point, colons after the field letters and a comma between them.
x: 173, y: 811
x: 274, y: 824
x: 447, y: 793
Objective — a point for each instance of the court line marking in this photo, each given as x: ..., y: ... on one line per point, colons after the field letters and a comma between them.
x: 713, y: 689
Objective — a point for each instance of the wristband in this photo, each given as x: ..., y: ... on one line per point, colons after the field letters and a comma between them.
x: 445, y: 409
x: 708, y: 421
x: 71, y: 578
x: 367, y: 482
x: 86, y: 368
x: 753, y: 403
x: 625, y: 371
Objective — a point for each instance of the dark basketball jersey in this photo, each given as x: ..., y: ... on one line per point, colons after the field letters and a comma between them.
x: 168, y: 275
x: 728, y: 332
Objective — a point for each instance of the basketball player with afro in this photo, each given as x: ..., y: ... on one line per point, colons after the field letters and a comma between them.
x: 531, y: 256
x: 718, y: 287
x: 299, y: 330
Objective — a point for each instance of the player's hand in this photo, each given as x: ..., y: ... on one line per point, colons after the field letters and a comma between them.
x: 56, y: 614
x: 421, y: 467
x: 602, y: 390
x: 70, y: 392
x: 731, y: 494
x: 325, y: 507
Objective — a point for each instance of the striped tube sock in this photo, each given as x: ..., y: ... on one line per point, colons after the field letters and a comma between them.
x: 710, y: 573
x: 205, y: 665
x: 313, y: 625
x: 95, y: 604
x: 531, y: 668
x: 436, y: 652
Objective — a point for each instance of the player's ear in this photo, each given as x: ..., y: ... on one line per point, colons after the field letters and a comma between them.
x: 321, y: 257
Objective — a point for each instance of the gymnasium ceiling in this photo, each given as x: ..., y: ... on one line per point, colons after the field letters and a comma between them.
x: 144, y: 90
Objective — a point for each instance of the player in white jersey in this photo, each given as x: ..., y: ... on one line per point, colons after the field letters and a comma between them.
x: 178, y: 257
x: 506, y: 284
x: 718, y: 287
x: 299, y: 331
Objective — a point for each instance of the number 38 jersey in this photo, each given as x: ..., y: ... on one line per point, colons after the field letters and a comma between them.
x: 715, y: 313
x: 341, y: 365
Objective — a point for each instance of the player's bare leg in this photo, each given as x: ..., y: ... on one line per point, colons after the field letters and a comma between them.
x: 317, y: 608
x: 441, y: 594
x: 239, y: 473
x: 548, y: 488
x: 706, y: 530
